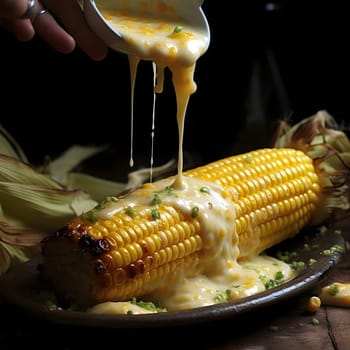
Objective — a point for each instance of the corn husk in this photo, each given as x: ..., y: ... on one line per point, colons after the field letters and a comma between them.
x: 10, y: 147
x: 31, y: 206
x: 36, y: 201
x: 11, y: 255
x: 322, y: 139
x: 63, y: 171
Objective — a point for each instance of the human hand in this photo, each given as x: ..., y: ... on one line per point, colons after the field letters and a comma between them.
x: 60, y: 23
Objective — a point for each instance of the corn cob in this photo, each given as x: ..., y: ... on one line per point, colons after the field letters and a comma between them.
x: 133, y: 244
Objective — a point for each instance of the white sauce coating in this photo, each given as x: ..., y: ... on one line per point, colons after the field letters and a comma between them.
x: 123, y: 308
x: 337, y: 294
x: 174, y: 44
x: 169, y: 42
x: 220, y: 269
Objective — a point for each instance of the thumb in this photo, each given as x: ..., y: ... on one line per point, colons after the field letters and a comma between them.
x: 13, y: 9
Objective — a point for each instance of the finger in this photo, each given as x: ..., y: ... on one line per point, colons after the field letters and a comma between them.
x: 13, y: 9
x: 48, y: 29
x: 22, y: 29
x: 70, y: 14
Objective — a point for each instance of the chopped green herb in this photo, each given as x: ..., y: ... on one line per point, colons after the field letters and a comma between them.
x: 155, y: 214
x: 156, y: 199
x: 334, y: 289
x: 322, y: 230
x: 286, y: 256
x: 178, y: 29
x: 249, y: 159
x: 90, y: 216
x: 205, y: 190
x: 274, y: 328
x: 195, y: 212
x: 298, y: 265
x: 270, y: 283
x: 111, y: 199
x: 333, y: 250
x: 306, y: 247
x: 315, y: 321
x: 222, y: 296
x: 106, y: 201
x: 148, y: 305
x: 279, y: 275
x: 169, y: 190
x: 326, y: 252
x: 337, y: 248
x: 130, y: 211
x: 311, y: 261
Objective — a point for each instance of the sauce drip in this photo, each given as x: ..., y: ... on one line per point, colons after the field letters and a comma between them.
x: 220, y: 268
x: 133, y: 63
x: 169, y: 42
x: 172, y: 43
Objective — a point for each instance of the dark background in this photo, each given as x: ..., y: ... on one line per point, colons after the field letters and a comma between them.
x: 267, y: 61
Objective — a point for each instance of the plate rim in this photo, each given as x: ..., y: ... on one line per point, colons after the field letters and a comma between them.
x: 22, y: 278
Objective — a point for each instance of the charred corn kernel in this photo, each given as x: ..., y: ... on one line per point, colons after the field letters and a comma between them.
x: 126, y: 252
x: 313, y: 304
x: 146, y: 240
x: 204, y: 221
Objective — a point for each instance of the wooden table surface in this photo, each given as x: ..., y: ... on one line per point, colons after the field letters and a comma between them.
x: 285, y: 325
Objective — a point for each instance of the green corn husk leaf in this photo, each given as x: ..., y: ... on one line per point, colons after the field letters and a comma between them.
x: 11, y: 255
x: 10, y: 147
x: 321, y: 138
x: 98, y: 188
x: 41, y: 209
x: 15, y: 171
x: 34, y: 204
x: 60, y: 168
x: 36, y: 201
x: 5, y: 258
x: 138, y: 177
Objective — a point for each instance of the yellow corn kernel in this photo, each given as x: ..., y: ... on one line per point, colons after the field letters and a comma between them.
x: 277, y: 192
x: 130, y: 252
x: 313, y: 304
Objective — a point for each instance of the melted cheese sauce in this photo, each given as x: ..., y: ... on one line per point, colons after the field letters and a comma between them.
x: 173, y: 43
x: 337, y: 294
x: 169, y: 42
x: 123, y: 308
x: 220, y: 269
x: 235, y: 281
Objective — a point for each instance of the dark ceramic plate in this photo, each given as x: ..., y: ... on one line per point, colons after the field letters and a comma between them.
x: 20, y: 287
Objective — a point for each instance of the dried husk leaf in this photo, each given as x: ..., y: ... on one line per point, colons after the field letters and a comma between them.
x: 60, y: 168
x: 11, y: 255
x: 320, y: 137
x: 138, y: 177
x: 15, y: 171
x: 34, y: 204
x: 40, y: 208
x: 5, y: 258
x: 10, y: 147
x: 97, y: 188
